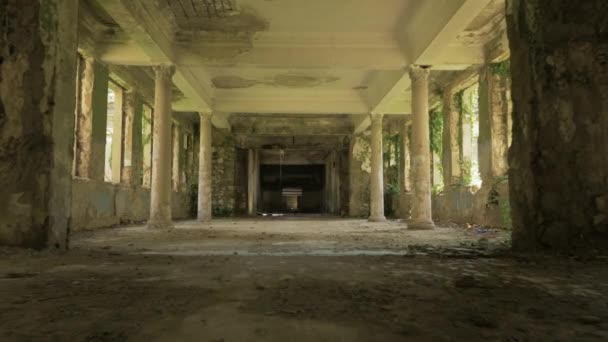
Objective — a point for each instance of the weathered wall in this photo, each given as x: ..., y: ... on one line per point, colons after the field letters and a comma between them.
x: 488, y: 206
x: 98, y: 204
x: 359, y: 175
x: 224, y: 173
x: 37, y: 104
x: 559, y: 155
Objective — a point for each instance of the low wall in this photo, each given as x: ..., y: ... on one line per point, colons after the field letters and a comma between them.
x: 97, y: 204
x: 488, y: 206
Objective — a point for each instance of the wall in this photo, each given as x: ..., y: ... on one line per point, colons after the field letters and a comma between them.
x: 487, y: 206
x: 37, y: 83
x: 223, y: 173
x: 98, y: 204
x: 359, y: 178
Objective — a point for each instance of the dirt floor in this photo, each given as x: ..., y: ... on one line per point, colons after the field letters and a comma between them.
x: 299, y: 280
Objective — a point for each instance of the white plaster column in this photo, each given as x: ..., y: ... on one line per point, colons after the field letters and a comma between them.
x: 252, y: 182
x: 204, y: 169
x: 421, y: 151
x: 160, y: 192
x: 376, y: 195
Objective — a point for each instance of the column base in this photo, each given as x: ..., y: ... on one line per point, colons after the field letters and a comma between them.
x: 204, y: 220
x: 160, y: 225
x: 377, y: 218
x: 420, y: 225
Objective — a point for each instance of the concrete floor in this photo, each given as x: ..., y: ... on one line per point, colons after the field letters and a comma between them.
x: 285, y: 236
x: 299, y: 280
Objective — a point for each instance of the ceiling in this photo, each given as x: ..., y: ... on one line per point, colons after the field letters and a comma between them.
x: 293, y: 56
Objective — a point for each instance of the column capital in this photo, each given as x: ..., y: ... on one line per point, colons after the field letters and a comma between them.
x: 164, y: 70
x: 419, y: 72
x: 375, y: 116
x: 205, y: 116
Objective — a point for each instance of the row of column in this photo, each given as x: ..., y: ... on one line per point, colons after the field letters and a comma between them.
x: 421, y: 217
x: 160, y: 190
x: 160, y: 202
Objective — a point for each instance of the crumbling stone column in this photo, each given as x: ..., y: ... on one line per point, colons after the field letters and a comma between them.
x: 421, y: 151
x: 451, y: 147
x: 37, y: 104
x: 332, y: 183
x: 160, y: 194
x: 204, y: 169
x: 253, y: 167
x: 177, y: 157
x: 405, y: 170
x: 376, y: 196
x: 91, y: 120
x: 493, y: 125
x: 133, y: 150
x: 558, y: 160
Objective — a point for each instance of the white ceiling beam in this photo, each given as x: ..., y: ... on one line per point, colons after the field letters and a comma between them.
x: 360, y: 122
x: 152, y: 33
x: 424, y: 40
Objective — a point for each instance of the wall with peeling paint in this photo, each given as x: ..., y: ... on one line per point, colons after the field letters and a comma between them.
x: 98, y: 204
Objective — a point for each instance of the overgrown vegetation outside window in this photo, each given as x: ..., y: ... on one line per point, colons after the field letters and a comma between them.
x: 113, y: 158
x: 467, y: 103
x: 436, y: 139
x: 146, y: 125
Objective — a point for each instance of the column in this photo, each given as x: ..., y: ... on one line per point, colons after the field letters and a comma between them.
x: 421, y: 151
x: 176, y: 140
x: 160, y: 193
x: 37, y: 106
x: 91, y: 119
x: 133, y: 149
x: 84, y: 118
x: 252, y: 182
x: 451, y: 146
x: 204, y: 169
x: 493, y: 124
x: 558, y: 161
x: 377, y: 174
x: 405, y: 171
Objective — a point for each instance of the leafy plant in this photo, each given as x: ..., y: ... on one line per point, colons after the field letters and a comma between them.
x: 466, y: 166
x: 501, y: 68
x: 391, y: 189
x: 436, y: 131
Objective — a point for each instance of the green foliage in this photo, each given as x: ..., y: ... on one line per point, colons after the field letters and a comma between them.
x: 222, y: 212
x: 391, y: 189
x: 505, y: 210
x: 466, y: 166
x: 436, y: 131
x: 437, y: 188
x: 392, y: 149
x: 501, y: 69
x: 459, y: 104
x: 146, y: 129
